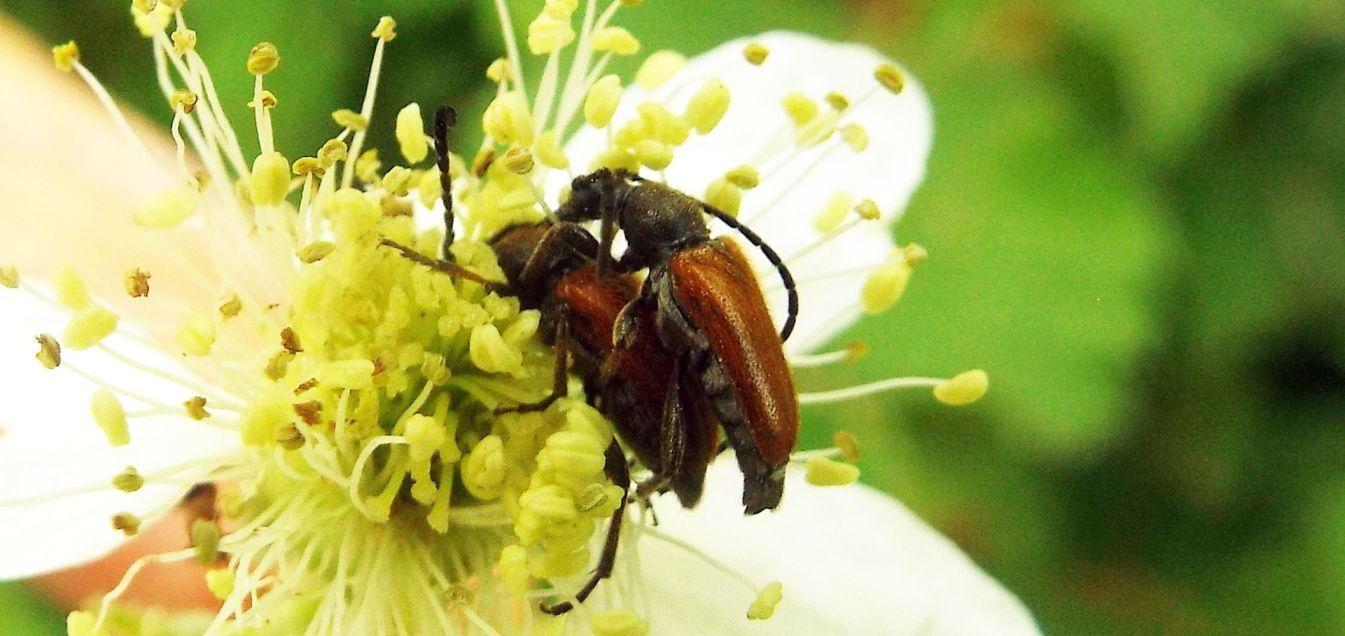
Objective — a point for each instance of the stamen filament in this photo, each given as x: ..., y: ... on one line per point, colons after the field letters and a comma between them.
x: 366, y: 111
x: 824, y: 397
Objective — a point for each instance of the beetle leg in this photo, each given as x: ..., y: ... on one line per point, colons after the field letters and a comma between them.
x: 619, y: 473
x: 563, y: 241
x: 560, y: 382
x: 672, y: 436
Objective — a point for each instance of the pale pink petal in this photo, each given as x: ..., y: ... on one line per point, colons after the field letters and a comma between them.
x: 852, y: 561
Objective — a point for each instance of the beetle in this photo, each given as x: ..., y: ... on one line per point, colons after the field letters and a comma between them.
x: 659, y: 409
x: 707, y: 309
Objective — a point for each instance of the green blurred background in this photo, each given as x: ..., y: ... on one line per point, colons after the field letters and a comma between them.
x: 1136, y: 216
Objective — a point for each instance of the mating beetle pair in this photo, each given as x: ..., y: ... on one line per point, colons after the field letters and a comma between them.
x: 665, y: 359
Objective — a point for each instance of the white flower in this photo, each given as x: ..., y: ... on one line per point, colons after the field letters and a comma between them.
x: 349, y: 390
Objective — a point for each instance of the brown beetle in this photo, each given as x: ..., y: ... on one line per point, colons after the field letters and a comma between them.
x: 708, y: 309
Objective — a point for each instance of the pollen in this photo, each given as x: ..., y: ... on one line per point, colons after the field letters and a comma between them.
x: 822, y: 471
x: 183, y: 40
x: 616, y: 40
x: 263, y: 58
x: 800, y: 108
x: 270, y: 178
x: 183, y: 101
x: 205, y: 537
x: 963, y: 388
x: 9, y: 276
x: 349, y: 119
x: 81, y: 623
x: 837, y: 208
x: 126, y: 523
x: 549, y: 151
x: 745, y: 177
x: 602, y: 101
x: 518, y: 161
x: 764, y: 606
x: 508, y: 120
x: 723, y: 194
x: 386, y: 29
x: 707, y: 106
x: 848, y: 445
x: 653, y: 154
x: 755, y: 53
x: 48, y: 351
x: 89, y: 327
x: 128, y: 480
x: 483, y: 469
x: 168, y: 208
x: 70, y: 288
x: 66, y: 56
x: 196, y: 408
x: 548, y: 34
x: 196, y: 335
x: 411, y: 133
x: 268, y: 100
x: 109, y: 415
x: 498, y: 71
x: 658, y: 67
x: 220, y: 582
x: 890, y: 77
x: 886, y: 284
x: 855, y: 136
x: 136, y: 283
x: 619, y: 623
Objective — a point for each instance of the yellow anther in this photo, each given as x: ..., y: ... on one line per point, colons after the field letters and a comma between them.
x: 518, y: 160
x: 109, y: 415
x: 708, y: 106
x: 548, y: 34
x: 426, y: 435
x: 482, y: 161
x: 183, y: 100
x: 856, y: 136
x: 428, y: 188
x: 220, y: 582
x: 270, y: 178
x: 828, y: 472
x: 764, y: 605
x: 9, y: 276
x: 801, y: 108
x: 615, y: 159
x: 549, y: 152
x: 183, y: 40
x: 886, y: 284
x: 397, y: 181
x: 837, y: 101
x: 196, y: 408
x: 332, y: 151
x: 136, y: 283
x: 723, y: 194
x: 173, y: 5
x: 70, y: 289
x: 367, y: 166
x: 168, y: 208
x: 278, y: 364
x: 89, y: 327
x: 151, y: 21
x: 498, y: 71
x: 619, y: 622
x: 144, y: 5
x: 868, y: 210
x: 315, y: 251
x: 386, y: 29
x: 205, y: 536
x: 663, y: 125
x: 755, y: 53
x: 848, y: 444
x: 196, y: 335
x: 655, y: 155
x: 890, y: 77
x: 838, y: 207
x: 483, y: 468
x: 745, y: 177
x: 615, y: 39
x: 658, y: 67
x: 963, y: 388
x: 231, y: 306
x: 81, y: 623
x: 48, y: 351
x: 126, y: 523
x: 268, y: 100
x: 509, y: 121
x: 435, y: 368
x: 915, y: 254
x: 289, y: 341
x: 602, y: 101
x: 411, y: 133
x: 818, y: 130
x: 263, y: 59
x: 514, y: 569
x: 65, y: 56
x: 490, y: 353
x: 128, y: 480
x: 304, y: 166
x: 350, y: 119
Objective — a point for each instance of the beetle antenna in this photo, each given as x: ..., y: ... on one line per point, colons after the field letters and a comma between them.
x: 445, y: 118
x: 779, y: 263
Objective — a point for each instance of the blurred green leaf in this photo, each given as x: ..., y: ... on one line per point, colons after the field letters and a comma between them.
x: 21, y: 612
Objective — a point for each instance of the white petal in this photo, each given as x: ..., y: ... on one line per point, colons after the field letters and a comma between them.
x: 852, y: 561
x: 49, y: 445
x: 899, y: 128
